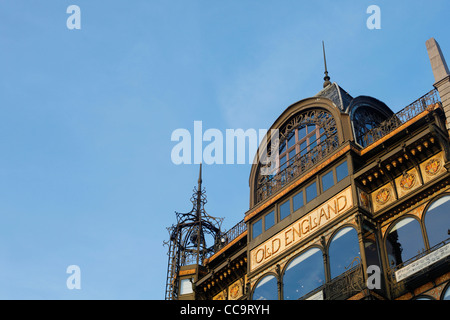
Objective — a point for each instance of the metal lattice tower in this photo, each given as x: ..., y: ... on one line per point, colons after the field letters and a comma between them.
x: 188, y: 239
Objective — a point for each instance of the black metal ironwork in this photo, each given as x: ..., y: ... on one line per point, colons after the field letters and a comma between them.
x: 269, y: 184
x: 347, y: 284
x: 401, y: 117
x: 188, y: 239
x: 399, y: 288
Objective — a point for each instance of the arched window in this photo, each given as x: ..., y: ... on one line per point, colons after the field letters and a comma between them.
x: 303, y: 274
x: 344, y: 248
x: 266, y: 289
x: 404, y: 241
x: 437, y: 220
x: 446, y: 295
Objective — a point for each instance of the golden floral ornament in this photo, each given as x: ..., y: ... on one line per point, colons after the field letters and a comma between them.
x: 433, y: 166
x: 408, y: 181
x: 383, y: 196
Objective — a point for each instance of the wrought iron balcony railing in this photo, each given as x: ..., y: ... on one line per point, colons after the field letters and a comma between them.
x: 434, y: 259
x: 270, y: 184
x: 398, y: 119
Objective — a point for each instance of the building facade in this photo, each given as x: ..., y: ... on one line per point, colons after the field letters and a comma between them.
x: 356, y: 207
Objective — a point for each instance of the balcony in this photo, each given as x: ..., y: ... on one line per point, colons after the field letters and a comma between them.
x: 403, y: 116
x: 302, y: 162
x: 419, y: 270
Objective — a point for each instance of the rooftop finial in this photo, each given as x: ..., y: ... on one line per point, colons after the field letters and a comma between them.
x: 200, y: 179
x: 326, y: 78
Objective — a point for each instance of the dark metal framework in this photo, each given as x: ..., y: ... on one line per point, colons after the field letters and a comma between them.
x: 189, y: 238
x: 387, y: 126
x: 303, y: 161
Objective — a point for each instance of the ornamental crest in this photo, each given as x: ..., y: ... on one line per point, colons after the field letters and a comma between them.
x: 433, y: 166
x: 408, y: 181
x: 383, y: 196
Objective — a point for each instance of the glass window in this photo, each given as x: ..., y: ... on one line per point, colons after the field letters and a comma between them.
x: 301, y: 133
x: 257, y: 228
x: 285, y: 210
x: 327, y: 181
x: 344, y: 248
x: 291, y: 139
x: 186, y: 286
x: 303, y: 149
x: 303, y: 274
x: 404, y: 241
x: 292, y: 156
x: 282, y: 147
x: 437, y: 220
x: 298, y: 200
x: 283, y: 163
x: 341, y: 171
x: 371, y: 251
x: 446, y: 295
x: 311, y: 192
x: 269, y: 220
x: 266, y: 289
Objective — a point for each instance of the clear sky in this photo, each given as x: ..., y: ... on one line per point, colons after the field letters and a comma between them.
x: 86, y: 176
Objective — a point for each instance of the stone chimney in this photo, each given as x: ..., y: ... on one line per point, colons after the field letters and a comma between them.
x: 441, y: 76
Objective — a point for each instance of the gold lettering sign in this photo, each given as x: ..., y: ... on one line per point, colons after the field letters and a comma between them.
x: 303, y: 227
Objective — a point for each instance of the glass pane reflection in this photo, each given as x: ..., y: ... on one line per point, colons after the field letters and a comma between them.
x: 303, y: 274
x: 266, y: 289
x: 404, y: 241
x: 437, y: 220
x: 344, y: 248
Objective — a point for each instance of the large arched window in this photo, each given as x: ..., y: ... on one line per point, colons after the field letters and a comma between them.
x: 344, y: 248
x: 303, y: 274
x: 437, y: 220
x: 266, y: 289
x: 404, y: 241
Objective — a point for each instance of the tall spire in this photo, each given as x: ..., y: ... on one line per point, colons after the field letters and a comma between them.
x: 200, y: 179
x: 326, y: 78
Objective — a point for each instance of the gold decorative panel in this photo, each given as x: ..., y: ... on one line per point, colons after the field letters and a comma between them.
x: 407, y: 182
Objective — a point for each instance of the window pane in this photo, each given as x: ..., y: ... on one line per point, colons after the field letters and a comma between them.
x: 313, y: 143
x: 298, y: 200
x: 303, y: 149
x: 292, y: 156
x: 344, y: 248
x: 304, y: 274
x: 186, y: 286
x: 257, y: 228
x: 404, y: 241
x: 283, y: 163
x: 437, y: 220
x: 311, y: 128
x: 269, y: 220
x: 266, y: 289
x: 291, y: 139
x: 285, y: 210
x: 311, y: 192
x: 301, y: 133
x: 341, y: 171
x: 327, y: 181
x: 282, y: 147
x: 447, y: 294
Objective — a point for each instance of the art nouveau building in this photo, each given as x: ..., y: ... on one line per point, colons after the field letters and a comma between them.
x: 357, y: 206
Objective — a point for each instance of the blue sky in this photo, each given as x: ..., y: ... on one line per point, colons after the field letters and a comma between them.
x: 86, y: 118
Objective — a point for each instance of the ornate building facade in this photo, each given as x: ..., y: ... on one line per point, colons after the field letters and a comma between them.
x: 357, y: 206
